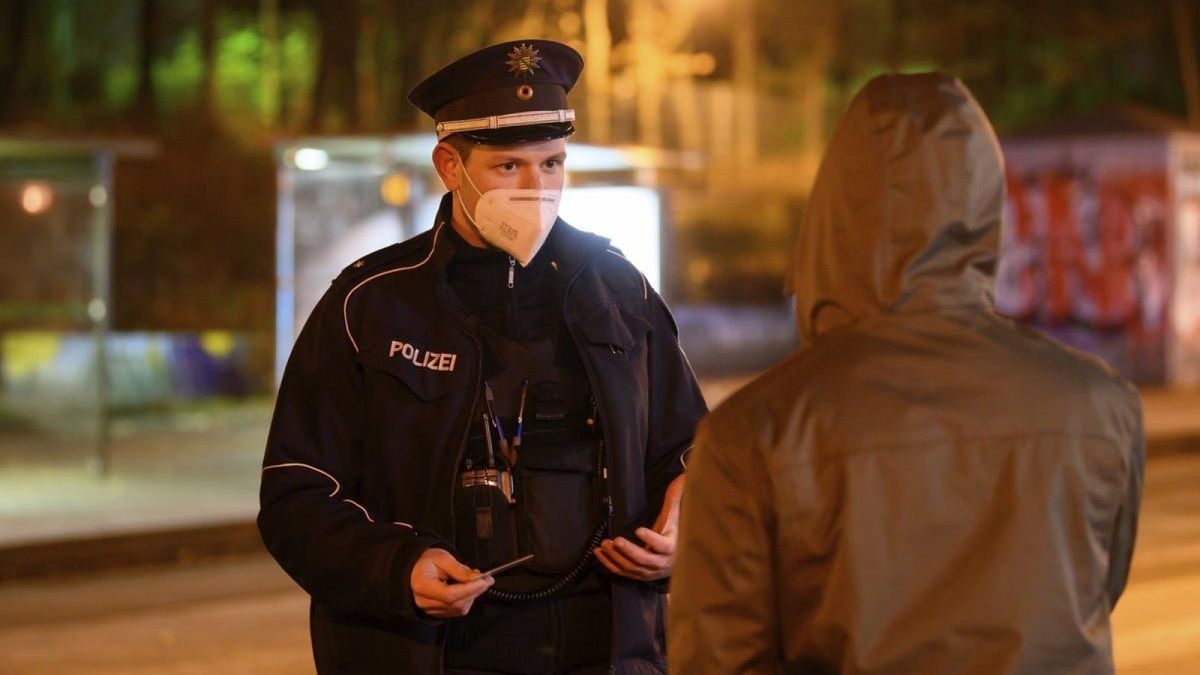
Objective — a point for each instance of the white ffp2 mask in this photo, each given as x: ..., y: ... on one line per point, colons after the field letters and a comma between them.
x: 514, y: 220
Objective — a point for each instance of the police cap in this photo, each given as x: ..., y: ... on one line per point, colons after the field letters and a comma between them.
x: 506, y: 93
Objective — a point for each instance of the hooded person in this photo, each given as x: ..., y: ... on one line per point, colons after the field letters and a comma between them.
x: 924, y: 486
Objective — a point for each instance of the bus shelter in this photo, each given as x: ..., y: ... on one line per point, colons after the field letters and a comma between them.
x: 56, y: 201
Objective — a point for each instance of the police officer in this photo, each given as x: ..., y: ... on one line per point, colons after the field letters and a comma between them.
x: 499, y: 387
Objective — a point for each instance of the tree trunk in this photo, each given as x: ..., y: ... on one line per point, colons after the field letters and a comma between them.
x: 367, y: 60
x: 336, y: 89
x: 15, y: 31
x: 1183, y: 18
x: 269, y: 20
x: 208, y: 47
x: 147, y: 35
x: 415, y: 25
x: 745, y: 88
x: 598, y: 74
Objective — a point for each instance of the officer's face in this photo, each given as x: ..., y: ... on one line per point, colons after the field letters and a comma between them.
x: 535, y: 165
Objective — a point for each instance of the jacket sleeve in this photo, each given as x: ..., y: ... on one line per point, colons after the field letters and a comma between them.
x: 1120, y: 554
x: 722, y: 614
x: 309, y: 519
x: 676, y: 406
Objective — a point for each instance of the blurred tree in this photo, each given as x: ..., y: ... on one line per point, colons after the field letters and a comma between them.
x: 335, y: 97
x: 1026, y: 60
x: 752, y: 86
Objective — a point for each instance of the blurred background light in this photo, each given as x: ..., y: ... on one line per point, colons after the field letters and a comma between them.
x: 311, y: 159
x: 396, y: 189
x: 98, y: 196
x: 36, y: 198
x: 629, y: 216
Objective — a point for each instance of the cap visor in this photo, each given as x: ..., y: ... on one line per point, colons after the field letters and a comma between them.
x: 532, y: 132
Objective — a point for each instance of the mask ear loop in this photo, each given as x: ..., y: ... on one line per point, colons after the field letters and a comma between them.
x: 466, y: 212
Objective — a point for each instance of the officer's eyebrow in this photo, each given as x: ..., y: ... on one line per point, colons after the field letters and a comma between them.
x: 519, y: 160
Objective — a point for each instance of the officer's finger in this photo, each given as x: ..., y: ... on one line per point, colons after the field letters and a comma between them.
x: 647, y: 560
x: 659, y: 543
x: 628, y: 566
x: 452, y: 569
x: 466, y: 592
x: 621, y: 566
x: 602, y: 556
x: 463, y: 608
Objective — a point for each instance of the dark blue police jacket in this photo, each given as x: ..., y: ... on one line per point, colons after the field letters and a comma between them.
x: 372, y: 417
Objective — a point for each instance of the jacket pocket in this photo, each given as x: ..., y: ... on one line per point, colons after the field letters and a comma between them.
x: 558, y: 503
x: 610, y: 326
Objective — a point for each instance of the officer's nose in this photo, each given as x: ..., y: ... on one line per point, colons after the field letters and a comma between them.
x: 532, y: 180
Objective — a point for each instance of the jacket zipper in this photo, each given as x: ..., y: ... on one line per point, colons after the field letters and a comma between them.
x: 510, y: 300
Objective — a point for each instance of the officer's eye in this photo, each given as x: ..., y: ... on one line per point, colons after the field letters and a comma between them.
x: 552, y: 163
x: 508, y: 166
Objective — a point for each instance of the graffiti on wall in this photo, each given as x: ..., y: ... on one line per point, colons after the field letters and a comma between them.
x: 1186, y: 311
x: 1086, y: 259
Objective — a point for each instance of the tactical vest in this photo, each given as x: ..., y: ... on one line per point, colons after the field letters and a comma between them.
x: 539, y: 488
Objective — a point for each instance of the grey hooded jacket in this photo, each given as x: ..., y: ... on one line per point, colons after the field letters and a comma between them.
x: 924, y: 487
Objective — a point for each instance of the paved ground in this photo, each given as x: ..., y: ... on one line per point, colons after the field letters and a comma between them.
x: 245, y: 617
x: 192, y: 468
x: 1158, y: 619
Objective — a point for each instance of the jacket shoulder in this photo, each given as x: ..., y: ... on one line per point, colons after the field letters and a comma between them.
x: 618, y: 273
x: 409, y: 252
x: 751, y: 410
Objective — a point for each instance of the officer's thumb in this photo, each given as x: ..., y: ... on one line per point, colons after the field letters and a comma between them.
x: 452, y: 569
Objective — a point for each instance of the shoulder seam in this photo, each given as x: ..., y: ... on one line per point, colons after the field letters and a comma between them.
x: 645, y: 290
x: 346, y: 301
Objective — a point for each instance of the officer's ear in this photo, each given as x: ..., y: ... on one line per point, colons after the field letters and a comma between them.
x: 448, y: 166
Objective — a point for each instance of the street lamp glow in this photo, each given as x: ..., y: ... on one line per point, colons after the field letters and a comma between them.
x: 396, y: 189
x: 98, y: 196
x: 36, y: 198
x: 311, y: 159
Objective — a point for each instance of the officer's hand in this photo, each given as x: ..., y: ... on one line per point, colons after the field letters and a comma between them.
x: 656, y: 558
x: 444, y: 588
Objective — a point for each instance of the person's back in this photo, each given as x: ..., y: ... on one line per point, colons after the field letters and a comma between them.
x: 926, y: 487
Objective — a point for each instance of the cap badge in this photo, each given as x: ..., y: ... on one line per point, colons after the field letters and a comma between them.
x: 523, y: 60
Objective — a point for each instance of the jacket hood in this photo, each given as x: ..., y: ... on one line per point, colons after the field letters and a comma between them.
x: 905, y: 212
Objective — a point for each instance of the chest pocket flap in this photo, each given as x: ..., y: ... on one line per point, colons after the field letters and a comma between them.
x: 430, y: 367
x: 608, y: 324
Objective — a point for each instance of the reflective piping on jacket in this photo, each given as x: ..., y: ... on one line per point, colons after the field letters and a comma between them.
x: 683, y: 457
x: 336, y: 485
x: 360, y: 508
x: 645, y: 292
x: 346, y: 302
x: 336, y: 488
